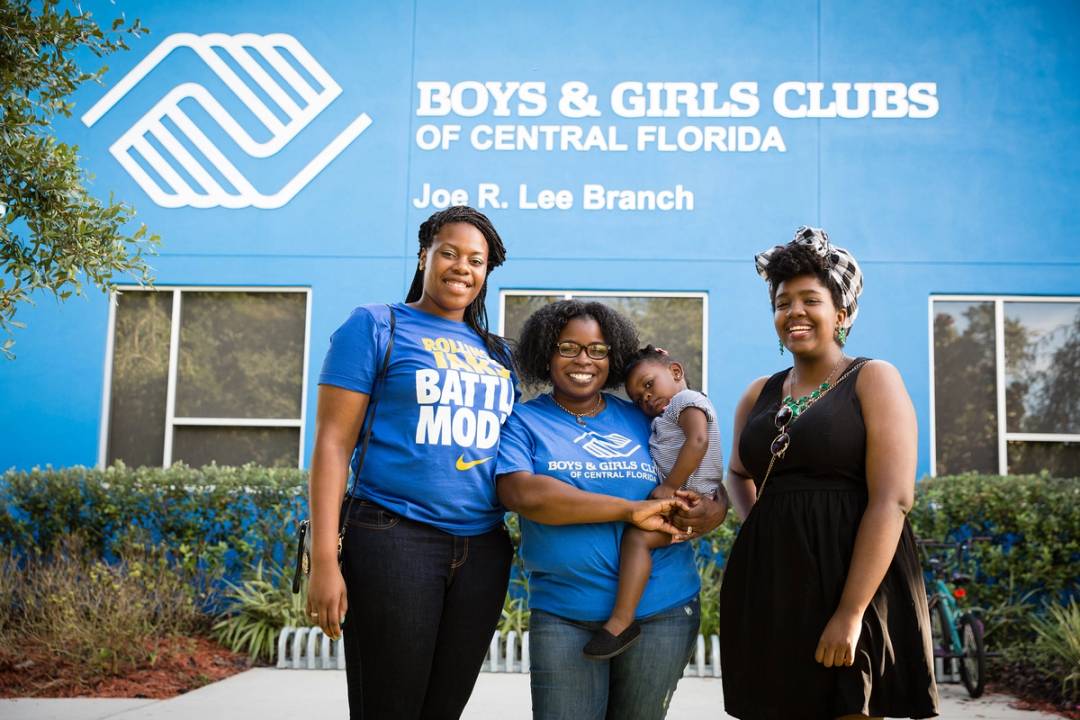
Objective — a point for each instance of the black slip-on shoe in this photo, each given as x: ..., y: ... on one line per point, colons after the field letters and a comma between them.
x: 604, y: 645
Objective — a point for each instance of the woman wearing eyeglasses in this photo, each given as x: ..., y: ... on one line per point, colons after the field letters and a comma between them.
x: 574, y: 463
x: 823, y: 610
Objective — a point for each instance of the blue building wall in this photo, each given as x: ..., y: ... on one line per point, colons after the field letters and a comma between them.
x: 975, y: 199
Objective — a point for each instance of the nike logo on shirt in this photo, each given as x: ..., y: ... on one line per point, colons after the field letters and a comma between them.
x: 462, y: 465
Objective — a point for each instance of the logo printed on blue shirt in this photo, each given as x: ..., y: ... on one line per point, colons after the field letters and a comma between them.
x: 612, y: 445
x: 466, y: 403
x: 462, y: 464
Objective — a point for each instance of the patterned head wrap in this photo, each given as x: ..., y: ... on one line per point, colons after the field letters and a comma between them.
x: 841, y: 265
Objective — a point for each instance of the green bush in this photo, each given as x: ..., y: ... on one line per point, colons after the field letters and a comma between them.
x: 711, y: 552
x: 1040, y: 662
x: 101, y: 618
x: 1034, y: 525
x: 219, y: 523
x: 211, y: 522
x: 1058, y: 639
x: 1024, y: 576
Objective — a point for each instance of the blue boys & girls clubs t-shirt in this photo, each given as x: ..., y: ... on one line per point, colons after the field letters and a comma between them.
x: 432, y: 452
x: 573, y: 570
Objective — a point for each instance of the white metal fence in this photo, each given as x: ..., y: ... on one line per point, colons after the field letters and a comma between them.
x: 310, y: 649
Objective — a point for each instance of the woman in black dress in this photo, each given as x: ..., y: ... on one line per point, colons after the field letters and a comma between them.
x: 823, y: 610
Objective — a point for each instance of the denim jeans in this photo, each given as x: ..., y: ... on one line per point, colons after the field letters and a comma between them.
x: 636, y: 685
x: 423, y: 605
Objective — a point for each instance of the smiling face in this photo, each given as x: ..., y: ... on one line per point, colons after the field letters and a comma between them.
x: 455, y: 268
x: 805, y: 316
x: 577, y: 380
x: 651, y: 385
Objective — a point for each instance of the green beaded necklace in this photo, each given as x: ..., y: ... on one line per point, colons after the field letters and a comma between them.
x: 799, y: 406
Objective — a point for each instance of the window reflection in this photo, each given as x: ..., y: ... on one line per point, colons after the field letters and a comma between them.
x: 240, y: 355
x: 1059, y: 459
x: 140, y: 375
x: 1041, y: 390
x: 518, y: 308
x: 1042, y: 367
x: 965, y: 399
x: 268, y: 447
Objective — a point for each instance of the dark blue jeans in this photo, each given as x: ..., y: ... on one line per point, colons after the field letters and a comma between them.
x: 423, y: 605
x: 636, y: 685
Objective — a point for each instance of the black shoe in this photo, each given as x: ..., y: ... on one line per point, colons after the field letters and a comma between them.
x: 604, y: 645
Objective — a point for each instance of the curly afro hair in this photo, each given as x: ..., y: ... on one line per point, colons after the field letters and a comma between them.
x: 795, y: 259
x: 537, y: 342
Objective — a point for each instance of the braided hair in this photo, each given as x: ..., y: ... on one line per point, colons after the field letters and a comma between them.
x: 476, y: 313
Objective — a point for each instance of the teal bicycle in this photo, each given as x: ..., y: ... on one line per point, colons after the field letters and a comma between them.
x: 957, y: 634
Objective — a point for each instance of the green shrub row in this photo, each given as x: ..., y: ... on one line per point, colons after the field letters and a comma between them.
x: 212, y: 522
x: 221, y: 522
x: 1025, y: 577
x: 178, y: 550
x: 94, y: 619
x: 1033, y: 522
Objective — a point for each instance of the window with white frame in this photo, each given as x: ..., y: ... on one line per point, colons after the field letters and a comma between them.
x: 203, y: 375
x: 673, y: 321
x: 1006, y: 384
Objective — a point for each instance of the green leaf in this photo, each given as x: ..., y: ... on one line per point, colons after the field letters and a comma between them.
x: 72, y: 234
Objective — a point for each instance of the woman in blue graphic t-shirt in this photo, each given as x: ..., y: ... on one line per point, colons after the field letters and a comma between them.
x: 426, y: 556
x: 575, y: 464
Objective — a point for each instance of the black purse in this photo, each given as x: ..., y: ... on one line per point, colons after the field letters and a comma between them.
x: 303, y: 534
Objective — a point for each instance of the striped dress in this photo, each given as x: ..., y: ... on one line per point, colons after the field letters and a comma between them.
x: 667, y: 439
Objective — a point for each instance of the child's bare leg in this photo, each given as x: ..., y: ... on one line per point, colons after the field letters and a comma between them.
x: 635, y: 565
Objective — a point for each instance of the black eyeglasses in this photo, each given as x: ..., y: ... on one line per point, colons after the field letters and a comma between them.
x: 571, y: 349
x: 781, y: 442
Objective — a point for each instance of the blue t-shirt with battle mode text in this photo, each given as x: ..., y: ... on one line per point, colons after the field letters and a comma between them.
x: 431, y: 457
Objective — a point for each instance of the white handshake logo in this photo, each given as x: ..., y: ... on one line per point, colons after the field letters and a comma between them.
x: 613, y: 445
x: 237, y: 191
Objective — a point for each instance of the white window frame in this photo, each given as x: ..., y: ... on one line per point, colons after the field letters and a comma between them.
x: 1003, y: 435
x: 571, y: 294
x: 171, y: 420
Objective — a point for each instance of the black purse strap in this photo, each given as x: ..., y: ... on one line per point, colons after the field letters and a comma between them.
x: 369, y: 421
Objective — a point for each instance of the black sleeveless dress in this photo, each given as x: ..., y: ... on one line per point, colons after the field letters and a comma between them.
x: 787, y: 569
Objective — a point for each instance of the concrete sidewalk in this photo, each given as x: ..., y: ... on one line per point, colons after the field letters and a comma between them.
x: 270, y: 694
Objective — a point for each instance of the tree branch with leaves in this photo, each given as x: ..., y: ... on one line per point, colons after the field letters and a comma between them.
x: 54, y: 235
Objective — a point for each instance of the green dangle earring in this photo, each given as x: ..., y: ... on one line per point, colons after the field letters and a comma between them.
x: 841, y: 335
x: 781, y: 346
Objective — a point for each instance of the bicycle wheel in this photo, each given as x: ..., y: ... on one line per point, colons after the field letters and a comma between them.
x: 973, y: 660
